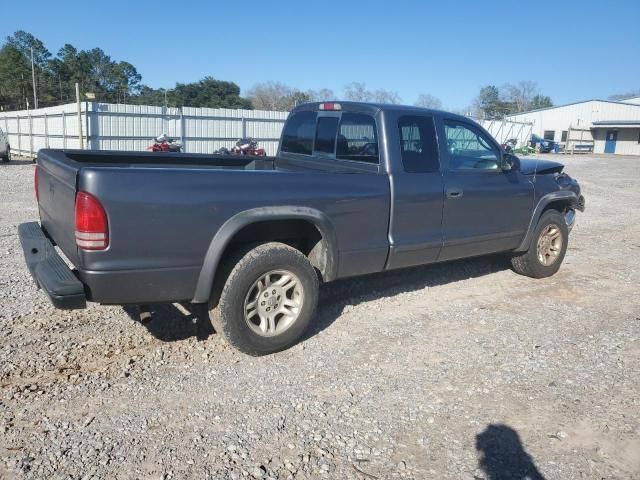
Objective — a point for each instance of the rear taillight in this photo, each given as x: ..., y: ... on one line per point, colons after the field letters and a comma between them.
x: 92, y: 226
x: 35, y: 183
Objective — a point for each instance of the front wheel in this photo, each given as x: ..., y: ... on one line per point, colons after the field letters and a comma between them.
x: 547, y: 248
x: 268, y: 299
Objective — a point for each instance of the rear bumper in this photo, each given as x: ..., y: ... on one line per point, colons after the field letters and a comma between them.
x: 71, y: 289
x: 48, y: 269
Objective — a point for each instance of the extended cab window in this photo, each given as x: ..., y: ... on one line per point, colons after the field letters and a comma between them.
x: 357, y: 138
x: 299, y: 132
x: 469, y: 149
x: 418, y: 144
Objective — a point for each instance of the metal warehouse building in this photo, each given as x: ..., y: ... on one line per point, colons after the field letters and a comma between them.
x: 601, y: 126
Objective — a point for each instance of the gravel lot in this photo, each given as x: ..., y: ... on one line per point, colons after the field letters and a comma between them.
x: 464, y: 370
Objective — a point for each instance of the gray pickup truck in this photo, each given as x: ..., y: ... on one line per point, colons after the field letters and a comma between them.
x: 355, y: 188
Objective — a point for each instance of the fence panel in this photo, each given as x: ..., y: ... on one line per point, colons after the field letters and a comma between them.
x: 503, y: 130
x: 53, y: 127
x: 133, y: 127
x: 201, y: 130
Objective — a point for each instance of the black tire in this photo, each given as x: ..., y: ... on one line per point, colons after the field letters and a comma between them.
x: 528, y: 263
x: 7, y: 154
x: 228, y: 317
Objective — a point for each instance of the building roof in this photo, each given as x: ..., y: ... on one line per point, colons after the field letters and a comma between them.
x: 576, y: 103
x: 616, y: 123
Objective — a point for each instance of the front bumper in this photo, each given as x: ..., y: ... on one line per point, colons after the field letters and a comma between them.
x: 48, y: 269
x: 570, y: 215
x: 570, y: 218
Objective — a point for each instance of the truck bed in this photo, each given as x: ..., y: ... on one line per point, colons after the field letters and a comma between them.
x: 160, y: 159
x: 111, y: 158
x: 164, y: 210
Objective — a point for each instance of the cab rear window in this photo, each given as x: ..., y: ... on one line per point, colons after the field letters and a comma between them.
x: 348, y: 136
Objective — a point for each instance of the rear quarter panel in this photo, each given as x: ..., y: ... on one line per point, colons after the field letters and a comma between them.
x: 167, y: 217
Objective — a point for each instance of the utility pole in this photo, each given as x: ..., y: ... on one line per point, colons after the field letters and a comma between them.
x: 79, y: 116
x: 33, y: 79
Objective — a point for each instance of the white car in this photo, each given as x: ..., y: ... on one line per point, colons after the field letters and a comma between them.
x: 5, y: 148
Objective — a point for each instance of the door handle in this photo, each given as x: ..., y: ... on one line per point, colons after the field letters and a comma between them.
x: 454, y: 192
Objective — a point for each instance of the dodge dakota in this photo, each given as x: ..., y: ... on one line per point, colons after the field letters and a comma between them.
x: 355, y: 188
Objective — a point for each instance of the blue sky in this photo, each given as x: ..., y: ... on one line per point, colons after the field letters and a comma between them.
x: 573, y: 50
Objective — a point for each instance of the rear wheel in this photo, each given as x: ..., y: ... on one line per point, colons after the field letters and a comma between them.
x: 547, y: 248
x: 267, y: 300
x: 7, y: 154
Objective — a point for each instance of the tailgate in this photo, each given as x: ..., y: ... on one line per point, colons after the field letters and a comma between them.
x: 57, y: 177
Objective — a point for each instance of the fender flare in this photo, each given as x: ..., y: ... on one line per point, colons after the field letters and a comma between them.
x: 232, y: 226
x: 568, y: 195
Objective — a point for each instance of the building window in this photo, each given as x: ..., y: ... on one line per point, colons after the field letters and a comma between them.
x: 564, y: 136
x: 549, y: 134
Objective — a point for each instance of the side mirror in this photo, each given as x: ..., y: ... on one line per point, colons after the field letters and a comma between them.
x: 510, y: 162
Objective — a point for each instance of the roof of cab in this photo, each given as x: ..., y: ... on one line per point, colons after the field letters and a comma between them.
x: 372, y: 108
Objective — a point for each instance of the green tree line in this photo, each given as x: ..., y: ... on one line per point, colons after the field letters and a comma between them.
x: 494, y: 103
x: 96, y: 72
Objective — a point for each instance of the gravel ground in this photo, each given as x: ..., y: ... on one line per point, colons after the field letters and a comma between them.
x: 463, y: 370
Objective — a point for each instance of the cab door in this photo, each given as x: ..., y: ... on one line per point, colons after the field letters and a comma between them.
x: 486, y: 209
x: 415, y: 231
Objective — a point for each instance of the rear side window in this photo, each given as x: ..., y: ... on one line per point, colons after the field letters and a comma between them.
x: 326, y: 134
x: 418, y: 144
x: 357, y: 138
x: 299, y: 133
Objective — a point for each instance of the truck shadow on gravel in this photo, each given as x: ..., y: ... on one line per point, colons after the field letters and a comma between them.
x: 502, y: 456
x: 336, y: 296
x: 170, y: 323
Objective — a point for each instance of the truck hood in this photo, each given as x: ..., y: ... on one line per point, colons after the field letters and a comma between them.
x: 532, y: 166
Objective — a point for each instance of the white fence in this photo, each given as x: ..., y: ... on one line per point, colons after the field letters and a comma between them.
x: 133, y: 127
x: 106, y: 126
x: 54, y: 127
x: 503, y: 130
